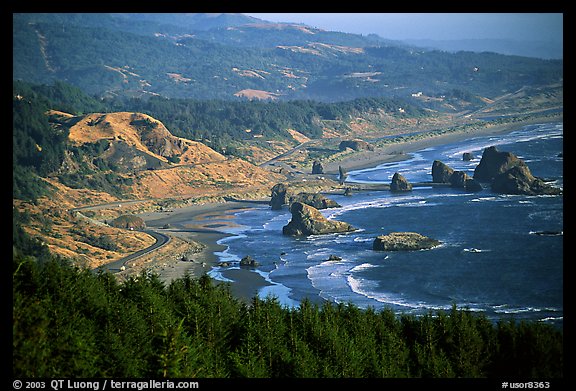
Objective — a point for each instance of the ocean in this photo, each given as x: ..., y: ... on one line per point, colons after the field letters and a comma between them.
x: 501, y: 255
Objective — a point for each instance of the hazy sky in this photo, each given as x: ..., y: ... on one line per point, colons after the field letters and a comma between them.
x: 517, y: 26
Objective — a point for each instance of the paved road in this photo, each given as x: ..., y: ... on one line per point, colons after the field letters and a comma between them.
x: 161, y: 240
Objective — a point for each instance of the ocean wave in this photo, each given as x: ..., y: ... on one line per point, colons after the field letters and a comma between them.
x: 378, y: 203
x: 367, y: 289
x: 505, y: 309
x: 482, y: 199
x: 277, y: 290
x: 277, y: 222
x: 547, y: 233
x: 417, y: 204
x: 363, y: 266
x: 551, y: 319
x: 216, y: 274
x: 358, y: 239
x: 475, y: 250
x: 318, y: 252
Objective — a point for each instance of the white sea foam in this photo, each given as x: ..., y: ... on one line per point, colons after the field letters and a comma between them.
x: 216, y: 274
x: 367, y: 288
x: 279, y: 291
x: 363, y: 267
x: 475, y: 250
x: 551, y: 319
x: 505, y: 309
x: 358, y: 239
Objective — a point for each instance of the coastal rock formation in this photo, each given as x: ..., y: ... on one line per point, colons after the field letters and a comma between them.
x: 357, y: 145
x: 403, y: 241
x: 441, y: 172
x: 341, y: 175
x: 317, y: 167
x: 315, y: 200
x: 129, y: 222
x: 248, y: 261
x: 307, y: 220
x: 458, y: 179
x: 510, y: 174
x: 494, y: 162
x: 399, y: 183
x: 519, y: 180
x: 462, y: 180
x: 467, y: 156
x: 279, y: 196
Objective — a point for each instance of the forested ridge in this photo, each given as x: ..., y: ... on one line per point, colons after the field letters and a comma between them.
x: 109, y: 55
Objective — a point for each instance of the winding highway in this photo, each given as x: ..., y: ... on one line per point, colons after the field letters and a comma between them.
x: 116, y: 266
x: 161, y: 240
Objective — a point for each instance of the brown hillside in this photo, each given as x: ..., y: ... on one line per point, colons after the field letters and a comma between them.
x: 142, y: 146
x: 141, y: 132
x: 74, y: 235
x: 202, y: 179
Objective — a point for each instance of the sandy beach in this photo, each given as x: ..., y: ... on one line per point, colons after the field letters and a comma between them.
x: 401, y: 150
x: 205, y: 223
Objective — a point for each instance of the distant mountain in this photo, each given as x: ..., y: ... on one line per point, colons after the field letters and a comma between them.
x: 190, y: 21
x: 536, y: 49
x: 231, y: 56
x: 142, y: 23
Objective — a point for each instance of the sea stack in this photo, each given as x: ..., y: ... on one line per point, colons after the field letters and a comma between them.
x: 403, y: 241
x: 307, y: 220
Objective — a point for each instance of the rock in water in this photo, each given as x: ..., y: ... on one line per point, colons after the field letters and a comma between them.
x: 316, y: 200
x: 341, y: 175
x: 494, y: 162
x: 248, y: 261
x: 403, y: 241
x: 519, y: 180
x: 279, y: 196
x: 460, y: 179
x: 441, y: 172
x: 307, y: 220
x: 399, y: 183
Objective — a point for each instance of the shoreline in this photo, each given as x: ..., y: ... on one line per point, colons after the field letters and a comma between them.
x: 205, y: 223
x: 402, y: 150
